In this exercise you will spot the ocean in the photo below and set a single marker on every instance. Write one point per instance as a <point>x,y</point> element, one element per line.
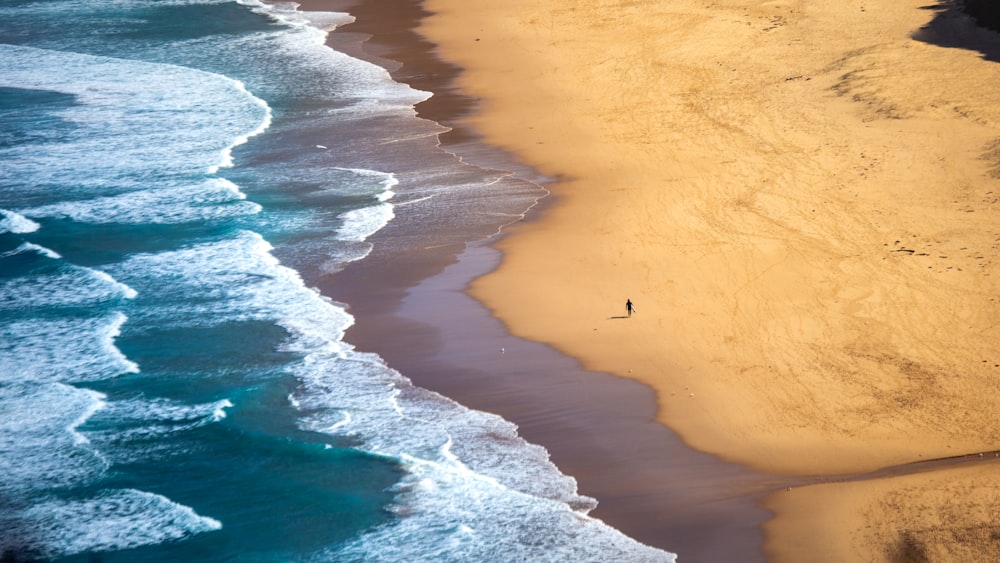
<point>177,178</point>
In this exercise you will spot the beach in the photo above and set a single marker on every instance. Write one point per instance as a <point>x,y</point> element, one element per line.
<point>802,203</point>
<point>425,280</point>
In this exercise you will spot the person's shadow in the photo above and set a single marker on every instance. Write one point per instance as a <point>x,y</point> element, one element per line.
<point>619,317</point>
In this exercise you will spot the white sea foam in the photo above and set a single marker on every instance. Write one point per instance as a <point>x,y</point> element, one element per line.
<point>214,198</point>
<point>32,247</point>
<point>108,521</point>
<point>341,423</point>
<point>220,410</point>
<point>359,224</point>
<point>343,255</point>
<point>40,439</point>
<point>136,118</point>
<point>126,291</point>
<point>44,449</point>
<point>516,505</point>
<point>64,350</point>
<point>394,418</point>
<point>67,286</point>
<point>11,222</point>
<point>358,183</point>
<point>491,523</point>
<point>128,420</point>
<point>163,411</point>
<point>287,13</point>
<point>96,405</point>
<point>235,280</point>
<point>369,87</point>
<point>227,154</point>
<point>386,180</point>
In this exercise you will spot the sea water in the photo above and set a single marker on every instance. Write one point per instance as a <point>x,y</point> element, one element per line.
<point>172,387</point>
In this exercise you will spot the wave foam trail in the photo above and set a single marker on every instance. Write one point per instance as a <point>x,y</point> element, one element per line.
<point>63,350</point>
<point>39,437</point>
<point>144,419</point>
<point>319,23</point>
<point>67,286</point>
<point>236,280</point>
<point>44,450</point>
<point>111,520</point>
<point>214,198</point>
<point>359,224</point>
<point>491,523</point>
<point>12,222</point>
<point>227,153</point>
<point>134,118</point>
<point>32,247</point>
<point>516,505</point>
<point>368,86</point>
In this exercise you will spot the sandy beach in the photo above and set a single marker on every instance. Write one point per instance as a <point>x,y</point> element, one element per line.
<point>803,203</point>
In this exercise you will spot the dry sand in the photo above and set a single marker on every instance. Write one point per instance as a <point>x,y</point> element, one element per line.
<point>802,200</point>
<point>943,515</point>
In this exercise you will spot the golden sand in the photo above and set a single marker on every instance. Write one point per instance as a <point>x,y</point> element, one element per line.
<point>944,515</point>
<point>801,198</point>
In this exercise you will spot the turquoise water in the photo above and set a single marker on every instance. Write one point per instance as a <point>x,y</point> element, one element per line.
<point>175,175</point>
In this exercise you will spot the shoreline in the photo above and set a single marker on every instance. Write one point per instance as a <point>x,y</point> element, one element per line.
<point>648,484</point>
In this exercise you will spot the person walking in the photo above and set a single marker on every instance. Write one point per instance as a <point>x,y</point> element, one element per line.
<point>629,307</point>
